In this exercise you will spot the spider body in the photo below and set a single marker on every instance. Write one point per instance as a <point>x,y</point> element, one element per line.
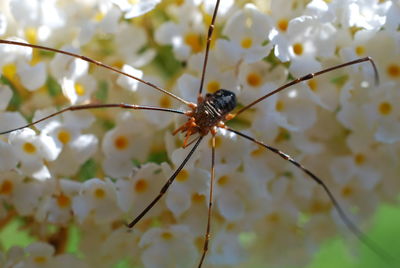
<point>210,112</point>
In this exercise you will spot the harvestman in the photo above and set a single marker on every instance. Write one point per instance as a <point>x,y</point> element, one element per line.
<point>207,115</point>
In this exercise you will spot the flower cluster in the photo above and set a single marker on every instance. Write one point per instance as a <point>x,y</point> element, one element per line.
<point>92,171</point>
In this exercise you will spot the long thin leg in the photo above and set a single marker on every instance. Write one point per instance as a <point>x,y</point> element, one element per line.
<point>209,35</point>
<point>352,227</point>
<point>16,43</point>
<point>166,185</point>
<point>310,76</point>
<point>96,106</point>
<point>210,203</point>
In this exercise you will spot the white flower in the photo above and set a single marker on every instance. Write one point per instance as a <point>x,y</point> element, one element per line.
<point>392,16</point>
<point>32,150</point>
<point>171,247</point>
<point>5,96</point>
<point>78,90</point>
<point>97,202</point>
<point>137,191</point>
<point>36,13</point>
<point>32,77</point>
<point>185,36</point>
<point>57,207</point>
<point>3,23</point>
<point>136,9</point>
<point>127,141</point>
<point>22,195</point>
<point>73,148</point>
<point>10,54</point>
<point>62,66</point>
<point>130,50</point>
<point>188,183</point>
<point>247,31</point>
<point>127,82</point>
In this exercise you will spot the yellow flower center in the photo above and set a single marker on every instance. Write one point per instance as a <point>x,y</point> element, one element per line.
<point>393,70</point>
<point>347,191</point>
<point>29,148</point>
<point>213,86</point>
<point>118,64</point>
<point>319,207</point>
<point>79,89</point>
<point>312,84</point>
<point>254,79</point>
<point>385,108</point>
<point>141,186</point>
<point>360,50</point>
<point>273,217</point>
<point>223,180</point>
<point>283,24</point>
<point>359,159</point>
<point>279,106</point>
<point>257,152</point>
<point>298,49</point>
<point>6,187</point>
<point>9,71</point>
<point>121,142</point>
<point>99,193</point>
<point>31,35</point>
<point>99,16</point>
<point>198,198</point>
<point>199,243</point>
<point>64,136</point>
<point>165,101</point>
<point>63,201</point>
<point>194,41</point>
<point>246,43</point>
<point>166,235</point>
<point>40,259</point>
<point>182,176</point>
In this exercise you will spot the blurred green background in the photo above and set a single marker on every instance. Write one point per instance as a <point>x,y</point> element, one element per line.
<point>385,231</point>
